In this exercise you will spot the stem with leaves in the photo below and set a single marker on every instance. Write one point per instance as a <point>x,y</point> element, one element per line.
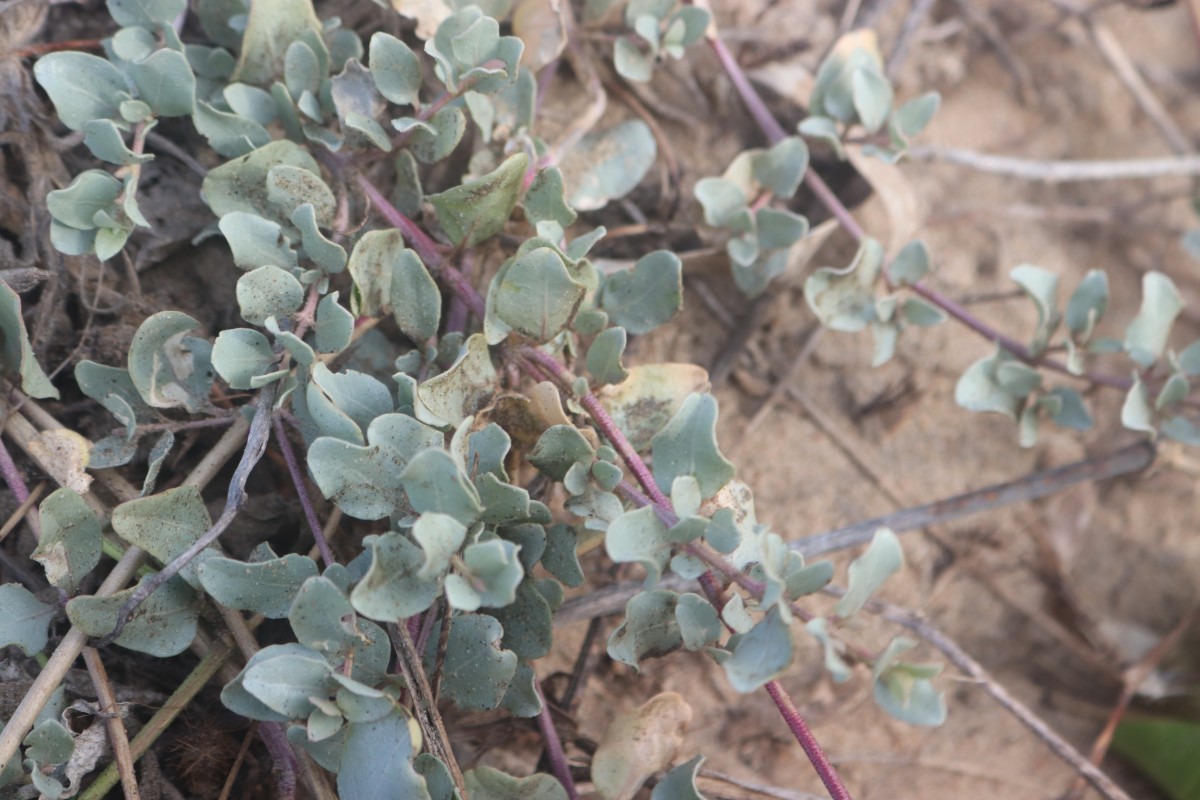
<point>774,132</point>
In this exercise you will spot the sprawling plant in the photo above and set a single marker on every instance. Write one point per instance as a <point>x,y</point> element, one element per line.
<point>508,433</point>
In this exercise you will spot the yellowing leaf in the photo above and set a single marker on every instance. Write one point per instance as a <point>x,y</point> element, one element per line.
<point>639,743</point>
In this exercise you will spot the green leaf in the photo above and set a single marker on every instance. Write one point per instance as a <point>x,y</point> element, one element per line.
<point>163,626</point>
<point>642,298</point>
<point>270,29</point>
<point>365,482</point>
<point>25,619</point>
<point>392,590</point>
<point>286,682</point>
<point>241,184</point>
<point>372,263</point>
<point>545,199</point>
<point>289,187</point>
<point>558,449</point>
<point>449,398</point>
<point>868,572</point>
<point>91,192</point>
<point>262,587</point>
<point>49,743</point>
<point>377,760</point>
<point>872,97</point>
<point>723,201</point>
<point>69,547</point>
<point>322,618</point>
<point>979,388</point>
<point>256,242</point>
<point>777,229</point>
<point>237,699</point>
<point>334,325</point>
<point>1136,412</point>
<point>608,164</point>
<point>440,536</point>
<point>165,525</point>
<point>1042,287</point>
<point>699,623</point>
<point>230,135</point>
<point>1164,749</point>
<point>437,777</point>
<point>651,629</point>
<point>82,87</point>
<point>490,575</point>
<point>680,782</point>
<point>103,138</point>
<point>560,558</point>
<point>448,125</point>
<point>435,483</point>
<point>395,69</point>
<point>359,396</point>
<point>1146,337</point>
<point>414,297</point>
<point>165,82</point>
<point>479,209</point>
<point>823,129</point>
<point>477,671</point>
<point>645,402</point>
<point>631,61</point>
<point>604,357</point>
<point>639,536</point>
<point>1189,359</point>
<point>486,783</point>
<point>240,354</point>
<point>1088,303</point>
<point>16,353</point>
<point>904,690</point>
<point>781,168</point>
<point>688,446</point>
<point>844,299</point>
<point>910,265</point>
<point>526,622</point>
<point>168,369</point>
<point>267,292</point>
<point>536,295</point>
<point>146,13</point>
<point>760,655</point>
<point>912,117</point>
<point>328,255</point>
<point>837,668</point>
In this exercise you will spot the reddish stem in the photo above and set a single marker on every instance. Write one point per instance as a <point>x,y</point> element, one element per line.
<point>12,475</point>
<point>804,735</point>
<point>774,132</point>
<point>554,748</point>
<point>426,247</point>
<point>310,514</point>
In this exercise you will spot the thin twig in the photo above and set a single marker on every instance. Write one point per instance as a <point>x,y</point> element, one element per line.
<point>1062,171</point>
<point>1133,679</point>
<point>116,728</point>
<point>428,717</point>
<point>236,767</point>
<point>961,659</point>
<point>235,498</point>
<point>554,748</point>
<point>310,514</point>
<point>421,242</point>
<point>612,599</point>
<point>15,518</point>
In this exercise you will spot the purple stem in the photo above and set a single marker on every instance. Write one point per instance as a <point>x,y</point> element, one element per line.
<point>282,756</point>
<point>426,247</point>
<point>712,588</point>
<point>429,250</point>
<point>456,315</point>
<point>310,513</point>
<point>774,132</point>
<point>554,749</point>
<point>804,735</point>
<point>12,475</point>
<point>606,425</point>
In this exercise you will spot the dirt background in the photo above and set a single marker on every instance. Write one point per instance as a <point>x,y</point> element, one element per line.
<point>1054,598</point>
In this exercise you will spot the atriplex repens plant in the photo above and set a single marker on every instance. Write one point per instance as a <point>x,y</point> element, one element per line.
<point>472,551</point>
